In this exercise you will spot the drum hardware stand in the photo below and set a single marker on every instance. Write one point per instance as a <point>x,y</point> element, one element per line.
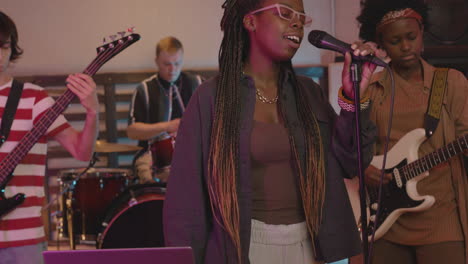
<point>83,226</point>
<point>69,215</point>
<point>59,224</point>
<point>133,200</point>
<point>99,236</point>
<point>68,201</point>
<point>84,230</point>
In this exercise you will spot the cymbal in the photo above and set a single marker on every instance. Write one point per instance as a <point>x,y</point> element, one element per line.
<point>103,146</point>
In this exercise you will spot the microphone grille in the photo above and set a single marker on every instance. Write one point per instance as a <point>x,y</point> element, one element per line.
<point>316,36</point>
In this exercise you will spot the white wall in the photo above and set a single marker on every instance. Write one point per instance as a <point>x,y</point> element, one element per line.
<point>346,25</point>
<point>60,36</point>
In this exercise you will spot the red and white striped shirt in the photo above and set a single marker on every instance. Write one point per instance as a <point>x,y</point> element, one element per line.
<point>23,226</point>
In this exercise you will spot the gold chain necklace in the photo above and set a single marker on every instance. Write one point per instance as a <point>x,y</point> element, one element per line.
<point>265,100</point>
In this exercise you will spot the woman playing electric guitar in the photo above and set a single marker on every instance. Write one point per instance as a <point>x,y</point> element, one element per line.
<point>439,233</point>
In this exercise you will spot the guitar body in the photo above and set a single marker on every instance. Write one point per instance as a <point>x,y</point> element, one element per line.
<point>8,204</point>
<point>401,195</point>
<point>399,198</point>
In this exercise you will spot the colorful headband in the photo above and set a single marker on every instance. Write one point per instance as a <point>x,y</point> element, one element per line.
<point>393,16</point>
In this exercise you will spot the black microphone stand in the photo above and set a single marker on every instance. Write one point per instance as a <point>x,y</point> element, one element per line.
<point>356,79</point>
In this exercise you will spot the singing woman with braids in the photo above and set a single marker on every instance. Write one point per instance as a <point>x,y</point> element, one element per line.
<point>258,168</point>
<point>438,234</point>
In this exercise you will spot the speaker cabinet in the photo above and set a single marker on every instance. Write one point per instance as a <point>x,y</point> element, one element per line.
<point>446,37</point>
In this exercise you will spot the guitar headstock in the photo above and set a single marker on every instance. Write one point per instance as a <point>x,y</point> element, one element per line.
<point>109,50</point>
<point>124,41</point>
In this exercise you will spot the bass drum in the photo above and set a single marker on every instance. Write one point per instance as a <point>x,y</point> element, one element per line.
<point>134,219</point>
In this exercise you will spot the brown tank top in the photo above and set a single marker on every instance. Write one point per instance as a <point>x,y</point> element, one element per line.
<point>276,195</point>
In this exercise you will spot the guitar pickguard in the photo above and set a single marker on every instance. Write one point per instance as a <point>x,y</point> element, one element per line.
<point>394,199</point>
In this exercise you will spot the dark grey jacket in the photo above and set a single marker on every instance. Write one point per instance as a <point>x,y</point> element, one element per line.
<point>187,216</point>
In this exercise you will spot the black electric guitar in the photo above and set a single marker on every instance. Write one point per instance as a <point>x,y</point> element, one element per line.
<point>400,195</point>
<point>9,163</point>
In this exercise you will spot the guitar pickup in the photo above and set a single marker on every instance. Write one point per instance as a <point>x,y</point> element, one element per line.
<point>397,177</point>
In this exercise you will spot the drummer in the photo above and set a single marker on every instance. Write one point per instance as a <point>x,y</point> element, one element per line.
<point>158,104</point>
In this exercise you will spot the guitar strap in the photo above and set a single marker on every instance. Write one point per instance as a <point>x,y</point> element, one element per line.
<point>10,110</point>
<point>436,98</point>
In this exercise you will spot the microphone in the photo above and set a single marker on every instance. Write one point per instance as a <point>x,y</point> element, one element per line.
<point>323,40</point>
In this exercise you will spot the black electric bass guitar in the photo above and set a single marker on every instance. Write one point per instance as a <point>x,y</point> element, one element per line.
<point>400,195</point>
<point>9,163</point>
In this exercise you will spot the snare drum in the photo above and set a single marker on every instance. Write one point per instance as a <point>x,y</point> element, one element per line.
<point>134,219</point>
<point>161,151</point>
<point>86,201</point>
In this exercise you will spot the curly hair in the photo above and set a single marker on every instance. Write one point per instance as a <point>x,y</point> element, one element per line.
<point>8,31</point>
<point>372,12</point>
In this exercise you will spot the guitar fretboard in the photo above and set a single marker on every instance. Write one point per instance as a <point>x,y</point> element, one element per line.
<point>27,142</point>
<point>433,159</point>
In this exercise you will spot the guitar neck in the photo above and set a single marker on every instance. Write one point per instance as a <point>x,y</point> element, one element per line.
<point>435,158</point>
<point>27,142</point>
<point>9,163</point>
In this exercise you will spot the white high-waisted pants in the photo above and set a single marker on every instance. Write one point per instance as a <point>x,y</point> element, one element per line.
<point>280,244</point>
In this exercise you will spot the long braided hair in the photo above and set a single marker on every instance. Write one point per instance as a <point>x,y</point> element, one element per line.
<point>312,172</point>
<point>224,157</point>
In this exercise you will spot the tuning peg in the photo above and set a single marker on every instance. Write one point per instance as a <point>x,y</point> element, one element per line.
<point>121,33</point>
<point>113,37</point>
<point>131,29</point>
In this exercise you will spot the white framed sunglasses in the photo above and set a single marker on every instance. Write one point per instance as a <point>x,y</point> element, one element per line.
<point>287,13</point>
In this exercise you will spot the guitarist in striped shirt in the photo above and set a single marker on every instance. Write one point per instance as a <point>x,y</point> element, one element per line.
<point>22,237</point>
<point>439,233</point>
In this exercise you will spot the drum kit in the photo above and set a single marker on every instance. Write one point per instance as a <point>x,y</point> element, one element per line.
<point>103,206</point>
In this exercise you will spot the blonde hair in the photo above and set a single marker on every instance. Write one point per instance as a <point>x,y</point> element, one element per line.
<point>168,44</point>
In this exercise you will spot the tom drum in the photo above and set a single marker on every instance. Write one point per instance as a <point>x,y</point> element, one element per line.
<point>86,201</point>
